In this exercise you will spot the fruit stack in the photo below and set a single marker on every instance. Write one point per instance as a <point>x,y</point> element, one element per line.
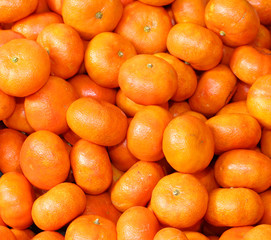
<point>135,119</point>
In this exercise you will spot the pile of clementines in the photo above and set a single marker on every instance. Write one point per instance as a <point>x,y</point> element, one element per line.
<point>135,120</point>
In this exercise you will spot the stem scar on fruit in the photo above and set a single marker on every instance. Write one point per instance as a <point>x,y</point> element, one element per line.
<point>47,50</point>
<point>96,221</point>
<point>222,33</point>
<point>176,192</point>
<point>15,59</point>
<point>99,15</point>
<point>120,53</point>
<point>149,65</point>
<point>147,29</point>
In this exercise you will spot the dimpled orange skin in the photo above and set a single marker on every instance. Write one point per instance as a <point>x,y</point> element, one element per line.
<point>17,120</point>
<point>121,157</point>
<point>58,206</point>
<point>170,233</point>
<point>31,26</point>
<point>11,142</point>
<point>187,78</point>
<point>129,107</point>
<point>196,114</point>
<point>237,19</point>
<point>215,89</point>
<point>145,133</point>
<point>91,167</point>
<point>25,234</point>
<point>23,71</point>
<point>259,101</point>
<point>145,26</point>
<point>45,235</point>
<point>263,39</point>
<point>135,186</point>
<point>233,131</point>
<point>65,49</point>
<point>263,8</point>
<point>6,233</point>
<point>91,227</point>
<point>189,11</point>
<point>178,108</point>
<point>44,159</point>
<point>266,198</point>
<point>234,207</point>
<point>7,105</point>
<point>196,45</point>
<point>97,121</point>
<point>103,63</point>
<point>16,200</point>
<point>235,233</point>
<point>179,200</point>
<point>191,235</point>
<point>249,63</point>
<point>147,79</point>
<point>259,232</point>
<point>243,168</point>
<point>188,144</point>
<point>101,15</point>
<point>7,35</point>
<point>234,107</point>
<point>265,142</point>
<point>45,110</point>
<point>12,11</point>
<point>86,87</point>
<point>137,223</point>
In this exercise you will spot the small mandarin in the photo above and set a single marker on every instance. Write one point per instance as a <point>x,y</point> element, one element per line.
<point>91,227</point>
<point>188,144</point>
<point>169,233</point>
<point>134,188</point>
<point>184,39</point>
<point>101,15</point>
<point>57,207</point>
<point>97,121</point>
<point>235,233</point>
<point>132,224</point>
<point>16,200</point>
<point>103,64</point>
<point>147,79</point>
<point>23,72</point>
<point>91,167</point>
<point>221,16</point>
<point>261,231</point>
<point>147,32</point>
<point>48,235</point>
<point>145,133</point>
<point>234,207</point>
<point>179,200</point>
